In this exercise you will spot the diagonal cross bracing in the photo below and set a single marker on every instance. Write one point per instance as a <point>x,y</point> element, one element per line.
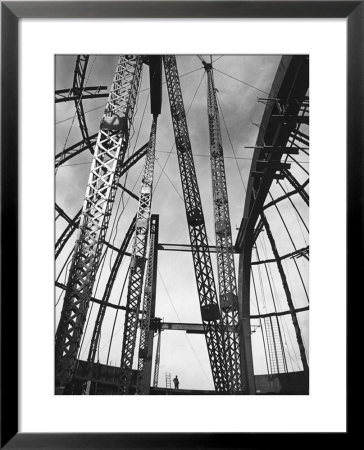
<point>137,265</point>
<point>74,150</point>
<point>157,359</point>
<point>142,378</point>
<point>109,153</point>
<point>224,246</point>
<point>109,285</point>
<point>78,84</point>
<point>209,306</point>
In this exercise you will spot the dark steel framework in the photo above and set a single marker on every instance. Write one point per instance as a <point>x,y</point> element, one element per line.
<point>210,311</point>
<point>279,137</point>
<point>112,143</point>
<point>224,246</point>
<point>226,348</point>
<point>148,313</point>
<point>137,266</point>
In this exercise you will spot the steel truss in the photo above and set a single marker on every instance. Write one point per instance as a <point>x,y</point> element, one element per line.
<point>146,333</point>
<point>74,223</point>
<point>66,95</point>
<point>110,150</point>
<point>137,266</point>
<point>78,85</point>
<point>105,299</point>
<point>209,306</point>
<point>157,359</point>
<point>224,246</point>
<point>288,294</point>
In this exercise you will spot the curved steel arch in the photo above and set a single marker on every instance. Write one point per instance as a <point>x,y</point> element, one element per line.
<point>285,107</point>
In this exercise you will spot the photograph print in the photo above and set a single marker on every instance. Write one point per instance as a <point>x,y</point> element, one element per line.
<point>181,225</point>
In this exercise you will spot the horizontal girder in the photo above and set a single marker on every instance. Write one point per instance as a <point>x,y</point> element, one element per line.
<point>66,95</point>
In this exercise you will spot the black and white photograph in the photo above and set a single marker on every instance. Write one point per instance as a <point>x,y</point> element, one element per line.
<point>181,224</point>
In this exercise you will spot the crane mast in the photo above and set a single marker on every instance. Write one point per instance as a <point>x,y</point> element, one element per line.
<point>224,246</point>
<point>210,311</point>
<point>110,149</point>
<point>137,265</point>
<point>143,380</point>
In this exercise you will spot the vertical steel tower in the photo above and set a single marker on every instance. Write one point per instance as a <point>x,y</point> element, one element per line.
<point>110,149</point>
<point>209,306</point>
<point>157,359</point>
<point>224,246</point>
<point>148,310</point>
<point>137,265</point>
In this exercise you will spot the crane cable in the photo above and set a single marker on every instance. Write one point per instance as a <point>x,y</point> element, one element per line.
<point>74,116</point>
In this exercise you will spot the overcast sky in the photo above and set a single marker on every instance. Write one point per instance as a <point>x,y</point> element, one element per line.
<point>177,299</point>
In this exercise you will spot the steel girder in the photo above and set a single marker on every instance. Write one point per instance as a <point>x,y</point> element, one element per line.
<point>78,148</point>
<point>67,233</point>
<point>286,99</point>
<point>296,254</point>
<point>297,186</point>
<point>134,158</point>
<point>157,359</point>
<point>209,306</point>
<point>276,354</point>
<point>105,298</point>
<point>288,294</point>
<point>289,87</point>
<point>75,150</point>
<point>109,153</point>
<point>137,266</point>
<point>224,246</point>
<point>78,84</point>
<point>297,190</point>
<point>146,334</point>
<point>74,223</point>
<point>88,92</point>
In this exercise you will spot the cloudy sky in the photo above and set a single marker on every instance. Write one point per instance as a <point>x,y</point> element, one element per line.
<point>240,81</point>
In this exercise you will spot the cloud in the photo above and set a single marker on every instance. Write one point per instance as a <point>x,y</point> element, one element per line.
<point>177,298</point>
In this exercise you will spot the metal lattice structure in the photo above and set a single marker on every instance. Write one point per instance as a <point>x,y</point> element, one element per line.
<point>224,246</point>
<point>276,354</point>
<point>146,334</point>
<point>226,318</point>
<point>210,310</point>
<point>279,138</point>
<point>109,285</point>
<point>137,265</point>
<point>288,294</point>
<point>109,154</point>
<point>157,360</point>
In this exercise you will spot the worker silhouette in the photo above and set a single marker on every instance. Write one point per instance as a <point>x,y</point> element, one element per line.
<point>176,382</point>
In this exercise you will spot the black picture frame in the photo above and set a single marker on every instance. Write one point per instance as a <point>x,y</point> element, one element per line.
<point>11,12</point>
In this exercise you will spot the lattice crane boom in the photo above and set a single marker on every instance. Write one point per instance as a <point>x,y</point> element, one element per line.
<point>137,265</point>
<point>147,309</point>
<point>110,149</point>
<point>224,246</point>
<point>209,306</point>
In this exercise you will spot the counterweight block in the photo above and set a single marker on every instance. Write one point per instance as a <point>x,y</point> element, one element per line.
<point>229,300</point>
<point>210,313</point>
<point>195,217</point>
<point>114,123</point>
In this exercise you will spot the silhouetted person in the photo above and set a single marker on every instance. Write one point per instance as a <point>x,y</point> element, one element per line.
<point>176,382</point>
